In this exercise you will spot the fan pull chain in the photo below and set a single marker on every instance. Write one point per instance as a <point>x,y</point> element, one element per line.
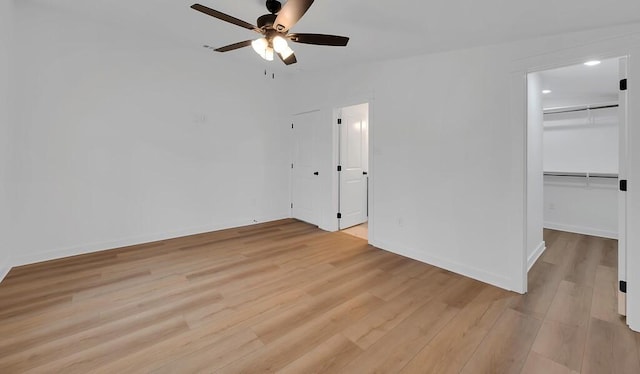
<point>273,75</point>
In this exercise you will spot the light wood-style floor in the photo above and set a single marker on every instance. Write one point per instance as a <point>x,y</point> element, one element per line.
<point>290,298</point>
<point>360,231</point>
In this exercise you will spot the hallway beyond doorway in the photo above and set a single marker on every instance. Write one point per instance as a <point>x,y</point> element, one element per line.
<point>361,231</point>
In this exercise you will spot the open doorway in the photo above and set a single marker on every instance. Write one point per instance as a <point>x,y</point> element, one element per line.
<point>576,165</point>
<point>353,169</point>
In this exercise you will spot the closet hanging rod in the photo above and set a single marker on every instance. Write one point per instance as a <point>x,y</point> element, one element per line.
<point>578,109</point>
<point>580,175</point>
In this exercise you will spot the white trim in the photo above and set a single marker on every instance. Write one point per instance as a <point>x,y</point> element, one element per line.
<point>613,47</point>
<point>536,255</point>
<point>581,230</point>
<point>464,270</point>
<point>125,242</point>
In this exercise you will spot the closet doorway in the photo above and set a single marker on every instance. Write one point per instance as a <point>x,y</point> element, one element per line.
<point>576,163</point>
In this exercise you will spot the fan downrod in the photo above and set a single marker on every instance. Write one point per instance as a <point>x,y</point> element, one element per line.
<point>274,6</point>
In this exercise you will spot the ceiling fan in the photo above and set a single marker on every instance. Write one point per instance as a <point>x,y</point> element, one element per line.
<point>274,28</point>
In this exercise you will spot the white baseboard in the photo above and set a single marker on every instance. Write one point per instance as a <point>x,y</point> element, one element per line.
<point>531,260</point>
<point>581,230</point>
<point>141,239</point>
<point>467,271</point>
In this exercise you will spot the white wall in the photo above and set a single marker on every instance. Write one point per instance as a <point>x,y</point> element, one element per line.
<point>535,242</point>
<point>440,168</point>
<point>6,21</point>
<point>447,168</point>
<point>585,142</point>
<point>123,139</point>
<point>575,205</point>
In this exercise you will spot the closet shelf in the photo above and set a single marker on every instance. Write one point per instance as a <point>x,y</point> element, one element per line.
<point>580,174</point>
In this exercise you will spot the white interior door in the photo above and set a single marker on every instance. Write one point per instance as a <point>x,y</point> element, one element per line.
<point>304,205</point>
<point>622,195</point>
<point>354,165</point>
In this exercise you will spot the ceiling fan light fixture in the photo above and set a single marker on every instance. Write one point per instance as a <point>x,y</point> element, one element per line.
<point>280,44</point>
<point>268,54</point>
<point>286,53</point>
<point>274,28</point>
<point>261,46</point>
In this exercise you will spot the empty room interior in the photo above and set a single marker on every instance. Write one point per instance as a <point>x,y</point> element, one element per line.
<point>319,186</point>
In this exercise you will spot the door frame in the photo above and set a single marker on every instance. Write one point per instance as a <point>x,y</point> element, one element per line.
<point>336,112</point>
<point>339,146</point>
<point>622,161</point>
<point>600,50</point>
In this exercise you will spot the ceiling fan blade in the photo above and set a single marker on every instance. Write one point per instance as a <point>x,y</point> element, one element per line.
<point>231,47</point>
<point>224,17</point>
<point>320,39</point>
<point>289,60</point>
<point>291,13</point>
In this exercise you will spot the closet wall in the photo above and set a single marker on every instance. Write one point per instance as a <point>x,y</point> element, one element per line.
<point>577,144</point>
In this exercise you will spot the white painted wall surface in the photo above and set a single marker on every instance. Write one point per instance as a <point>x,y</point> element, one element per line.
<point>535,241</point>
<point>447,166</point>
<point>6,27</point>
<point>582,142</point>
<point>575,205</point>
<point>124,139</point>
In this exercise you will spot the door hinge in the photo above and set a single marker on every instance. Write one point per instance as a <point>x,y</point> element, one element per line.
<point>339,121</point>
<point>623,84</point>
<point>291,165</point>
<point>292,125</point>
<point>623,286</point>
<point>339,167</point>
<point>339,215</point>
<point>291,205</point>
<point>623,185</point>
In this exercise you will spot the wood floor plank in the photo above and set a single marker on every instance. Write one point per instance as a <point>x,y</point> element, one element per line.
<point>506,347</point>
<point>561,343</point>
<point>537,364</point>
<point>544,279</point>
<point>391,353</point>
<point>90,359</point>
<point>371,328</point>
<point>610,349</point>
<point>286,296</point>
<point>194,358</point>
<point>583,260</point>
<point>452,347</point>
<point>42,352</point>
<point>605,296</point>
<point>571,304</point>
<point>329,357</point>
<point>288,348</point>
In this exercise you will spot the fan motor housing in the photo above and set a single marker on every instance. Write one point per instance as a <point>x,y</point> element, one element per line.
<point>266,21</point>
<point>273,6</point>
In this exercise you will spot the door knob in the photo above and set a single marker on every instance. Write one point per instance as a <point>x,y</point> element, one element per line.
<point>316,173</point>
<point>364,173</point>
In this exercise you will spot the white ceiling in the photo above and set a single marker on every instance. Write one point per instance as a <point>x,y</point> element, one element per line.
<point>378,29</point>
<point>581,85</point>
